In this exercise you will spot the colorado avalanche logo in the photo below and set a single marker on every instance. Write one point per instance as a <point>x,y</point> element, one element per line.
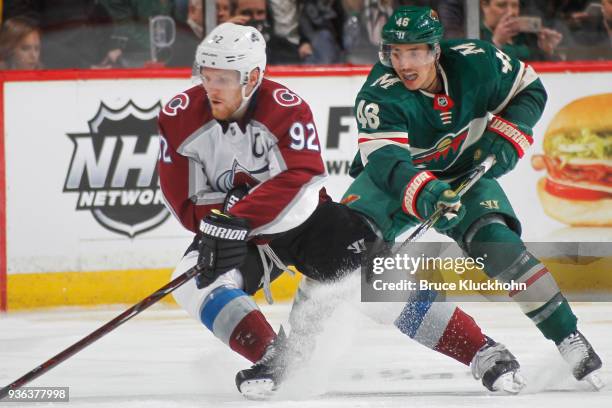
<point>285,97</point>
<point>180,101</point>
<point>237,176</point>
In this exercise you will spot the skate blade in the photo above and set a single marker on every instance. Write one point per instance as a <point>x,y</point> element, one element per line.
<point>595,380</point>
<point>509,383</point>
<point>258,390</point>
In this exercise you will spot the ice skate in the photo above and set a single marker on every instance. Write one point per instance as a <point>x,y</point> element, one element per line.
<point>497,368</point>
<point>261,380</point>
<point>583,360</point>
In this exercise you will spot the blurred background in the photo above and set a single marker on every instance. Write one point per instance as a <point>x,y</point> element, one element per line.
<point>99,34</point>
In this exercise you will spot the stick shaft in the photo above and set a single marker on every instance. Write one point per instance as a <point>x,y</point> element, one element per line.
<point>100,332</point>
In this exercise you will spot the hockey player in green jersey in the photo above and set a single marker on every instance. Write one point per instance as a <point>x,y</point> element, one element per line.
<point>431,110</point>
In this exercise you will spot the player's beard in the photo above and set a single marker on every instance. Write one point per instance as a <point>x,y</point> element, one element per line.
<point>223,110</point>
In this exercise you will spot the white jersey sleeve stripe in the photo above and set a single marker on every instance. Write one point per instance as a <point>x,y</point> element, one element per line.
<point>513,90</point>
<point>529,76</point>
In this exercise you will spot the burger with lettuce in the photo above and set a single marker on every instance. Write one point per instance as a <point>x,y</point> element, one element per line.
<point>578,158</point>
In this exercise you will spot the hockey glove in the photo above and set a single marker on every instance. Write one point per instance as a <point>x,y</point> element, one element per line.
<point>233,196</point>
<point>505,154</point>
<point>222,247</point>
<point>506,141</point>
<point>436,194</point>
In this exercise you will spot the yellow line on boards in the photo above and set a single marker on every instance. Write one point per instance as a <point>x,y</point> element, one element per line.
<point>40,290</point>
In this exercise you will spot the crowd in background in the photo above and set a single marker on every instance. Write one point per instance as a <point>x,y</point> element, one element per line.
<point>102,34</point>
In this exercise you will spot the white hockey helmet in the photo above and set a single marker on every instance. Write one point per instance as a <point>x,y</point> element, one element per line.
<point>232,46</point>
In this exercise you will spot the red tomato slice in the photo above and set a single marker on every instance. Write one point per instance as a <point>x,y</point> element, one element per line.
<point>574,193</point>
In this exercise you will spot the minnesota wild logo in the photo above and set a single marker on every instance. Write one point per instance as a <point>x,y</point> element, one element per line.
<point>443,152</point>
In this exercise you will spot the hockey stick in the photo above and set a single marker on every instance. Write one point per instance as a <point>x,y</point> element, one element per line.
<point>465,185</point>
<point>100,332</point>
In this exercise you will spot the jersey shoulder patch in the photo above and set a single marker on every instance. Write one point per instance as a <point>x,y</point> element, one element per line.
<point>277,107</point>
<point>283,97</point>
<point>182,101</point>
<point>476,59</point>
<point>382,79</point>
<point>183,114</point>
<point>384,87</point>
<point>179,102</point>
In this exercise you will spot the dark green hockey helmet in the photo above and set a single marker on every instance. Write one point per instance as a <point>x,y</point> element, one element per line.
<point>410,25</point>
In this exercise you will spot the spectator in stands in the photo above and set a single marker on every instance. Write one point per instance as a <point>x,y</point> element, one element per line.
<point>254,13</point>
<point>321,23</point>
<point>223,10</point>
<point>452,16</point>
<point>284,15</point>
<point>361,33</point>
<point>129,41</point>
<point>188,35</point>
<point>73,30</point>
<point>500,26</point>
<point>195,19</point>
<point>180,10</point>
<point>20,44</point>
<point>593,35</point>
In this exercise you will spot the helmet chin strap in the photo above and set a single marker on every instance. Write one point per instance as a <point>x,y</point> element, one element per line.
<point>245,101</point>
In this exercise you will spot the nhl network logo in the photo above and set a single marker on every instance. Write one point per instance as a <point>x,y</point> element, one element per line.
<point>114,169</point>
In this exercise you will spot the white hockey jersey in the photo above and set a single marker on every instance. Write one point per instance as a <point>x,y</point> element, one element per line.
<point>274,150</point>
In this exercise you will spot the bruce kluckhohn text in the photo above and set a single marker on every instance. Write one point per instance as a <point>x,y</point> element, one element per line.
<point>462,285</point>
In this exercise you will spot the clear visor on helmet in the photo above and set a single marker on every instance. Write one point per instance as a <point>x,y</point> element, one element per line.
<point>220,79</point>
<point>413,55</point>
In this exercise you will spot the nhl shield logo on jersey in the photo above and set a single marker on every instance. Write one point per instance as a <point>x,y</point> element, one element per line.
<point>114,169</point>
<point>442,101</point>
<point>444,104</point>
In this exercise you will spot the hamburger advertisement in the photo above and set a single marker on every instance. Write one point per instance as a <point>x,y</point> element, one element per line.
<point>577,163</point>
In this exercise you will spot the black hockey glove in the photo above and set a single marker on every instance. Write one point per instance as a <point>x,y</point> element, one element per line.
<point>233,196</point>
<point>222,247</point>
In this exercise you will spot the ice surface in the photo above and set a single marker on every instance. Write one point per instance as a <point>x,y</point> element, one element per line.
<point>162,358</point>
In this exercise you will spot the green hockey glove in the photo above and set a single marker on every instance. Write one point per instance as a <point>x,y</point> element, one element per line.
<point>506,142</point>
<point>425,194</point>
<point>505,154</point>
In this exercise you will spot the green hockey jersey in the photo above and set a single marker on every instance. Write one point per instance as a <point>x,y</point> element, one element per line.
<point>407,136</point>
